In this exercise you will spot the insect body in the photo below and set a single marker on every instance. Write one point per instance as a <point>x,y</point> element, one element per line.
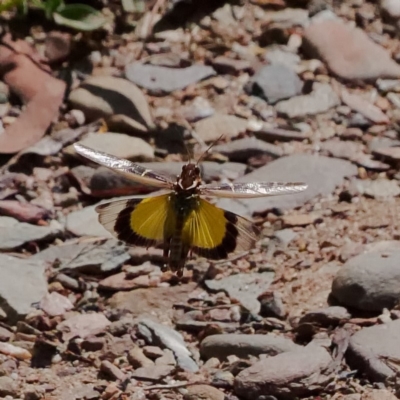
<point>181,220</point>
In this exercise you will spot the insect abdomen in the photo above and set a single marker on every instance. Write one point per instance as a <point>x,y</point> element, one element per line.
<point>178,252</point>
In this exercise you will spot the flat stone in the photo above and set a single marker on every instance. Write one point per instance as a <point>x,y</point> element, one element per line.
<point>321,99</point>
<point>379,394</point>
<point>326,316</point>
<point>187,323</point>
<point>159,79</point>
<point>289,16</point>
<point>83,325</point>
<point>119,101</point>
<point>169,338</point>
<point>54,304</point>
<point>199,108</point>
<point>272,305</point>
<point>369,281</point>
<point>387,85</point>
<point>112,371</point>
<point>367,161</point>
<point>283,135</point>
<point>22,285</point>
<point>285,236</point>
<point>243,346</point>
<point>57,46</point>
<point>92,258</point>
<point>299,220</point>
<point>388,153</point>
<point>278,56</point>
<point>275,83</point>
<point>391,8</point>
<point>152,352</point>
<point>286,374</point>
<point>153,373</point>
<point>322,174</point>
<point>377,188</point>
<point>342,149</point>
<point>230,126</point>
<point>85,222</point>
<point>244,288</point>
<point>152,302</point>
<point>361,58</point>
<point>372,349</point>
<point>364,107</point>
<point>5,335</point>
<point>119,145</point>
<point>242,149</point>
<point>8,387</point>
<point>120,281</point>
<point>137,358</point>
<point>203,392</point>
<point>14,234</point>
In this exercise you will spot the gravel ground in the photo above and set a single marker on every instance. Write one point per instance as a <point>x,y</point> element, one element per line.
<point>301,91</point>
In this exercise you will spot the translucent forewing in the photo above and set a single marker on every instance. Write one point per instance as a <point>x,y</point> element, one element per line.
<point>249,190</point>
<point>124,167</point>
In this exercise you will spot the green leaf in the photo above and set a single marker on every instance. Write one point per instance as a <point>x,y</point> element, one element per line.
<point>23,7</point>
<point>51,6</point>
<point>79,16</point>
<point>9,4</point>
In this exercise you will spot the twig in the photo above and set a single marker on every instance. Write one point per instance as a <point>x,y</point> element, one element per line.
<point>174,386</point>
<point>153,12</point>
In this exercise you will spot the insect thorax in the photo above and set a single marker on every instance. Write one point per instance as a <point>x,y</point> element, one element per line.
<point>184,202</point>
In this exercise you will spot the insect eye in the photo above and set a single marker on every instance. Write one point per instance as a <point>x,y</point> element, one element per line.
<point>197,170</point>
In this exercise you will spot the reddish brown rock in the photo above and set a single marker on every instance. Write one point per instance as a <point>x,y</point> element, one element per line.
<point>360,58</point>
<point>83,325</point>
<point>283,374</point>
<point>42,94</point>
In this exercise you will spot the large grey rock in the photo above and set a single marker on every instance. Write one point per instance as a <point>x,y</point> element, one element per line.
<point>243,346</point>
<point>321,99</point>
<point>275,83</point>
<point>167,337</point>
<point>159,79</point>
<point>372,349</point>
<point>14,234</point>
<point>244,288</point>
<point>291,374</point>
<point>369,281</point>
<point>86,257</point>
<point>23,283</point>
<point>322,174</point>
<point>85,222</point>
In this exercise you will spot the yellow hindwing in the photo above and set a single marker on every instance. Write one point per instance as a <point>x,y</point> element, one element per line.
<point>141,222</point>
<point>215,233</point>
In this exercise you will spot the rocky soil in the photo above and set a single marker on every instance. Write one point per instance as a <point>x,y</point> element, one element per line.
<point>301,91</point>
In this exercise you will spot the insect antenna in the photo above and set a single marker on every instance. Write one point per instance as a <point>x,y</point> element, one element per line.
<point>209,148</point>
<point>188,152</point>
